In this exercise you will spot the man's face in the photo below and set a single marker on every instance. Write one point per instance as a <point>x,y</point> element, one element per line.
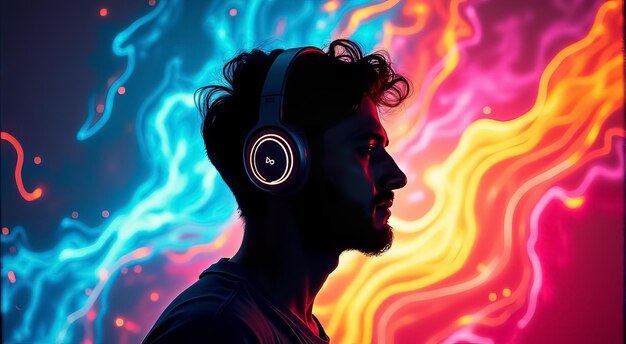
<point>352,186</point>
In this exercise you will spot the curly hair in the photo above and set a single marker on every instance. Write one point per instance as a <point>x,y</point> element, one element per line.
<point>322,89</point>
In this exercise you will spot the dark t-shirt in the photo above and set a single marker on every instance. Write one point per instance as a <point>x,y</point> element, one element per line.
<point>227,305</point>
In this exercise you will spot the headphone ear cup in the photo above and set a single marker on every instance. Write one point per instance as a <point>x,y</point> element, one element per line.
<point>276,160</point>
<point>276,156</point>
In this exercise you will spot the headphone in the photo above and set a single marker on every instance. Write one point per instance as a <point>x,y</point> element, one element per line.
<point>276,156</point>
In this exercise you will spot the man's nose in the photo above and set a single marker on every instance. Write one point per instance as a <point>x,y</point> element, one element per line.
<point>393,177</point>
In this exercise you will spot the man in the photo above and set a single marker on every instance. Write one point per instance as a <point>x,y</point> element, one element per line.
<point>292,239</point>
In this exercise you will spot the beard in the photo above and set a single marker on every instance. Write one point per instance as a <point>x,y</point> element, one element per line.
<point>329,222</point>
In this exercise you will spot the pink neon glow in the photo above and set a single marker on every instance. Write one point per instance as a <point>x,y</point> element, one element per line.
<point>595,172</point>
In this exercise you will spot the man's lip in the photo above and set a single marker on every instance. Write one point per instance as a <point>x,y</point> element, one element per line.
<point>385,204</point>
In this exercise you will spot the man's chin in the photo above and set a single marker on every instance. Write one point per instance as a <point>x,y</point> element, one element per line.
<point>377,242</point>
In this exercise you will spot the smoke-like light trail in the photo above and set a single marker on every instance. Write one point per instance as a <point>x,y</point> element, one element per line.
<point>512,111</point>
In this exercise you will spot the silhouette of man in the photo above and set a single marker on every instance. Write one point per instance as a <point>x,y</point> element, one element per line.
<point>292,240</point>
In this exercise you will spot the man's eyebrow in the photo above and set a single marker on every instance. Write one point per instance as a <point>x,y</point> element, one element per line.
<point>371,135</point>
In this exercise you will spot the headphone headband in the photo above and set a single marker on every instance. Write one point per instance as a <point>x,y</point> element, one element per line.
<point>275,83</point>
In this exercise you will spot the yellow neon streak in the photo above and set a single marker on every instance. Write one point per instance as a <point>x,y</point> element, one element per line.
<point>419,11</point>
<point>331,6</point>
<point>362,14</point>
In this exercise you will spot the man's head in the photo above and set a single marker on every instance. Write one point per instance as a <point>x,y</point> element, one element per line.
<point>333,99</point>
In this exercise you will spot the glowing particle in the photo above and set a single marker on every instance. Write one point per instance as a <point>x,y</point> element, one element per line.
<point>100,108</point>
<point>103,274</point>
<point>91,315</point>
<point>29,196</point>
<point>5,230</point>
<point>464,320</point>
<point>280,27</point>
<point>331,6</point>
<point>493,297</point>
<point>420,8</point>
<point>11,276</point>
<point>487,110</point>
<point>506,292</point>
<point>481,267</point>
<point>154,296</point>
<point>103,12</point>
<point>88,291</point>
<point>74,214</point>
<point>119,322</point>
<point>87,341</point>
<point>121,90</point>
<point>137,268</point>
<point>37,160</point>
<point>12,249</point>
<point>124,270</point>
<point>151,2</point>
<point>105,213</point>
<point>232,12</point>
<point>575,202</point>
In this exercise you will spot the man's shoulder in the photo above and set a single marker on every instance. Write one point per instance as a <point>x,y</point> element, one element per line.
<point>207,296</point>
<point>207,309</point>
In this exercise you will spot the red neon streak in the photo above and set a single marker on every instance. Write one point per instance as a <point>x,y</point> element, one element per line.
<point>91,315</point>
<point>29,196</point>
<point>11,276</point>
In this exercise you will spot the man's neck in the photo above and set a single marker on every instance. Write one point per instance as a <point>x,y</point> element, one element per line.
<point>290,273</point>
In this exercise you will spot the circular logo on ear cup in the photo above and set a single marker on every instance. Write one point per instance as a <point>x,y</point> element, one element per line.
<point>271,159</point>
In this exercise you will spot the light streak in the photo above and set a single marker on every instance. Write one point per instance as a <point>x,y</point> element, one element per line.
<point>363,14</point>
<point>121,47</point>
<point>331,6</point>
<point>29,196</point>
<point>564,195</point>
<point>494,131</point>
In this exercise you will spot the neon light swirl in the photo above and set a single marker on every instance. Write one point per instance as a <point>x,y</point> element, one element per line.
<point>517,111</point>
